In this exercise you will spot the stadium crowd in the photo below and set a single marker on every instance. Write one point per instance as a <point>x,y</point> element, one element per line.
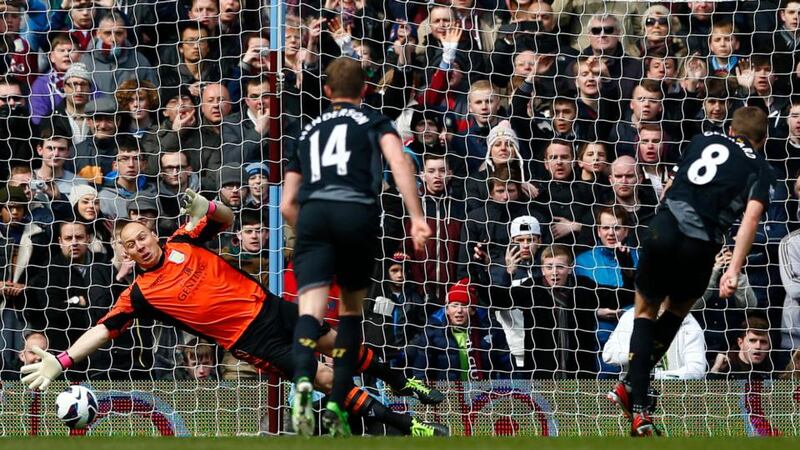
<point>544,134</point>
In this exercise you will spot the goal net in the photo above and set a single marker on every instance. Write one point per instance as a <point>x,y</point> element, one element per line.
<point>543,133</point>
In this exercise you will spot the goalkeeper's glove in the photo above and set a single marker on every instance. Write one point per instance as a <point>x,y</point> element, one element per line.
<point>196,207</point>
<point>41,374</point>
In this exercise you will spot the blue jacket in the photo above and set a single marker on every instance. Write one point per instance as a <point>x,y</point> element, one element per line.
<point>434,355</point>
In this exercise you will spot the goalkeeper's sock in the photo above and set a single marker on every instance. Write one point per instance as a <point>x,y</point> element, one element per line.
<point>306,334</point>
<point>639,355</point>
<point>368,363</point>
<point>666,328</point>
<point>361,404</point>
<point>345,356</point>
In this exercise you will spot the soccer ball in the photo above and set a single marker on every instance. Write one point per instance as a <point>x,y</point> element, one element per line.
<point>76,407</point>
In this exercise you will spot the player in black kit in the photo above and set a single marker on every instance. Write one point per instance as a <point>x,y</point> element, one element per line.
<point>719,177</point>
<point>331,198</point>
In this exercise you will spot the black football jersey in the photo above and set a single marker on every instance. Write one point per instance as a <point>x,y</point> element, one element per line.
<point>713,183</point>
<point>339,155</point>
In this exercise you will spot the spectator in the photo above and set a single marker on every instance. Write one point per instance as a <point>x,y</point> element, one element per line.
<point>611,265</point>
<point>789,253</point>
<point>605,32</point>
<point>139,99</point>
<point>645,107</point>
<point>54,151</point>
<point>200,359</point>
<point>258,186</point>
<point>638,198</point>
<point>254,63</point>
<point>19,60</point>
<point>557,321</point>
<point>596,112</point>
<point>175,176</point>
<point>784,154</point>
<point>202,144</point>
<point>13,206</point>
<point>47,91</point>
<point>684,360</point>
<point>716,314</point>
<point>16,128</point>
<point>503,146</point>
<point>194,66</point>
<point>715,113</point>
<point>434,267</point>
<point>94,157</point>
<point>80,15</point>
<point>25,354</point>
<point>58,296</point>
<point>232,189</point>
<point>570,208</point>
<point>723,43</point>
<point>659,34</point>
<point>246,134</point>
<point>470,142</point>
<point>651,155</point>
<point>70,114</point>
<point>113,59</point>
<point>397,315</point>
<point>144,210</point>
<point>250,251</point>
<point>752,358</point>
<point>86,209</point>
<point>593,165</point>
<point>458,344</point>
<point>126,181</point>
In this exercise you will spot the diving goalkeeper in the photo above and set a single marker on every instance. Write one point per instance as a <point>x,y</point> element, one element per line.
<point>184,284</point>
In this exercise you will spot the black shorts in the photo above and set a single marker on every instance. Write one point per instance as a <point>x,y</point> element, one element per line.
<point>672,264</point>
<point>336,239</point>
<point>267,342</point>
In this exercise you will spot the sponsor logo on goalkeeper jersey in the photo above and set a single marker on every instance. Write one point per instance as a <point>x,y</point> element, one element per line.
<point>195,277</point>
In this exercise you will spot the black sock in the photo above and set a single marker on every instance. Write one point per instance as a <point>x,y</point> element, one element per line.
<point>306,334</point>
<point>666,328</point>
<point>368,363</point>
<point>639,355</point>
<point>359,403</point>
<point>345,356</point>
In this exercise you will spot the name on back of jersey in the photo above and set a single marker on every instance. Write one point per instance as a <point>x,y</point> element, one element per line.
<point>358,116</point>
<point>749,152</point>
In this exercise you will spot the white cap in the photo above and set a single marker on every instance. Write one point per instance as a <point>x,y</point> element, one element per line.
<point>524,225</point>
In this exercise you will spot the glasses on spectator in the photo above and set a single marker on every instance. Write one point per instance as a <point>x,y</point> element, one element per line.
<point>232,187</point>
<point>608,29</point>
<point>656,20</point>
<point>8,98</point>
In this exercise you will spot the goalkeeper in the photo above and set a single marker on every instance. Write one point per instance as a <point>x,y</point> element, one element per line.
<point>184,284</point>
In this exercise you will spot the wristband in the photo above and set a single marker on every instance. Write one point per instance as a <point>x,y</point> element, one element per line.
<point>65,360</point>
<point>212,206</point>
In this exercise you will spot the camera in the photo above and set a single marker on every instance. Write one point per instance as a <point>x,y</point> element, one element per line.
<point>38,185</point>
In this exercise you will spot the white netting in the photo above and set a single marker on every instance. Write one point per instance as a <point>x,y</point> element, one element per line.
<point>589,104</point>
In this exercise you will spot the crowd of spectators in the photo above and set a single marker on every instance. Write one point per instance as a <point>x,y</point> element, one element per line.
<point>544,133</point>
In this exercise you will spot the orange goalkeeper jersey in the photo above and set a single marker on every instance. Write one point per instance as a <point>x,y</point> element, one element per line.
<point>193,289</point>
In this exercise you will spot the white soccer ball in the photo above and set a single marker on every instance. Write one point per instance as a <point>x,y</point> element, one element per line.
<point>76,407</point>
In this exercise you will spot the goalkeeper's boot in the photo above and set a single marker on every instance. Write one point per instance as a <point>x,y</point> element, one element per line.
<point>302,410</point>
<point>416,388</point>
<point>622,398</point>
<point>334,419</point>
<point>428,429</point>
<point>642,426</point>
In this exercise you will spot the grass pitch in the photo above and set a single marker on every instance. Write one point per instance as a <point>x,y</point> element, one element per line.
<point>453,443</point>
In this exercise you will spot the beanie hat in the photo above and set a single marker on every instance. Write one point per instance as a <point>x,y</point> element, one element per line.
<point>78,70</point>
<point>502,130</point>
<point>462,292</point>
<point>78,191</point>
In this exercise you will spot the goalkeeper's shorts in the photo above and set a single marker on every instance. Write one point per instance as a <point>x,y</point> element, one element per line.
<point>672,264</point>
<point>267,341</point>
